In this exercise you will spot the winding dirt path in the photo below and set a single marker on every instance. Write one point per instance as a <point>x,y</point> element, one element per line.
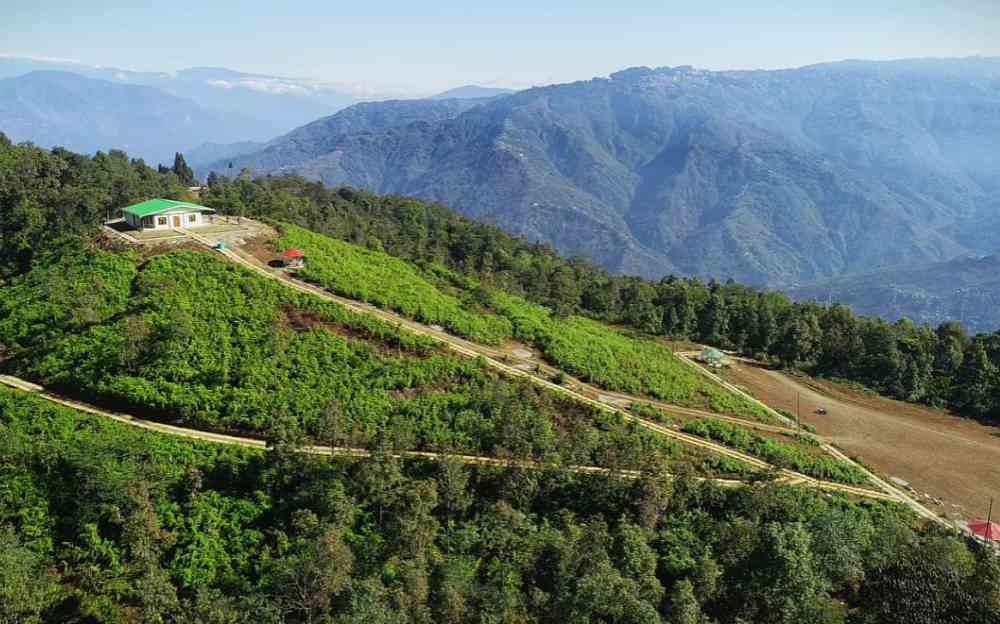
<point>489,356</point>
<point>256,443</point>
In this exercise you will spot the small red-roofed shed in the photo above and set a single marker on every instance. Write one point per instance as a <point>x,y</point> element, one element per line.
<point>293,257</point>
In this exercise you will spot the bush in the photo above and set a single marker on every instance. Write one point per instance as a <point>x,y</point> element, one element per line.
<point>781,454</point>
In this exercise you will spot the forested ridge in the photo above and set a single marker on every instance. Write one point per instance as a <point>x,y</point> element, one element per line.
<point>46,195</point>
<point>771,177</point>
<point>103,523</point>
<point>940,366</point>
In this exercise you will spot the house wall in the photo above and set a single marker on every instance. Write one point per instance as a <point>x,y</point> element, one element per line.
<point>165,221</point>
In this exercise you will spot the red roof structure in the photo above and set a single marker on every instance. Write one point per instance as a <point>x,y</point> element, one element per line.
<point>989,530</point>
<point>293,253</point>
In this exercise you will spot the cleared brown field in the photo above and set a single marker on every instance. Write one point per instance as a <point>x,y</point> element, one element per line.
<point>950,458</point>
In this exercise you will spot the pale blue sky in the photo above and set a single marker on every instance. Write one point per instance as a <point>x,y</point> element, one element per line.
<point>430,45</point>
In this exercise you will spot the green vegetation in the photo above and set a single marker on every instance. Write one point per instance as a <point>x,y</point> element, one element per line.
<point>776,452</point>
<point>583,347</point>
<point>940,366</point>
<point>103,523</point>
<point>608,358</point>
<point>390,283</point>
<point>188,337</point>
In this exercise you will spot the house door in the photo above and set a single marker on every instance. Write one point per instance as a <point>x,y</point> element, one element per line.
<point>177,221</point>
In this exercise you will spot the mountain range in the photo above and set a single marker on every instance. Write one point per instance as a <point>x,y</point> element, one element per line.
<point>86,114</point>
<point>471,91</point>
<point>209,113</point>
<point>271,105</point>
<point>775,178</point>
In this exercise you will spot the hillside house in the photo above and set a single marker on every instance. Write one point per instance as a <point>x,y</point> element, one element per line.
<point>712,358</point>
<point>165,214</point>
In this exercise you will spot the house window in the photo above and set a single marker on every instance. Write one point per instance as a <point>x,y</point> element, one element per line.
<point>147,222</point>
<point>192,218</point>
<point>161,220</point>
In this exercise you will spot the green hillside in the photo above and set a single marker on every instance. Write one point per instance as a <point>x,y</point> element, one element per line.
<point>391,283</point>
<point>104,523</point>
<point>189,338</point>
<point>583,347</point>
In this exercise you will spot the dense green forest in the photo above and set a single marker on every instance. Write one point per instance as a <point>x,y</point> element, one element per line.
<point>100,522</point>
<point>940,366</point>
<point>103,523</point>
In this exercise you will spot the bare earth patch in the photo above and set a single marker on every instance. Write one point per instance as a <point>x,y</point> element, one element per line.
<point>947,457</point>
<point>296,319</point>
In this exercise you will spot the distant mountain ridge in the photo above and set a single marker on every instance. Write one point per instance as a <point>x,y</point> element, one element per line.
<point>770,177</point>
<point>84,114</point>
<point>472,91</point>
<point>321,137</point>
<point>966,289</point>
<point>273,104</point>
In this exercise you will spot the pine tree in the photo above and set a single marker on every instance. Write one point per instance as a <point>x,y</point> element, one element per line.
<point>182,171</point>
<point>684,607</point>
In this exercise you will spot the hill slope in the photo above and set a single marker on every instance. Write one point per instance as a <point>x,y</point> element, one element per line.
<point>770,177</point>
<point>964,289</point>
<point>102,522</point>
<point>323,137</point>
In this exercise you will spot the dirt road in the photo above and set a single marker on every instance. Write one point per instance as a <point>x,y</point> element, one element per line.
<point>949,458</point>
<point>221,438</point>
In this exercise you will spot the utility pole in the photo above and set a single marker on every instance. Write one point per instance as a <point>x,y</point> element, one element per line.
<point>989,523</point>
<point>798,411</point>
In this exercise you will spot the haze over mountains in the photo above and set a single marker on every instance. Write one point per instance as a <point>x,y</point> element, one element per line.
<point>472,91</point>
<point>274,104</point>
<point>85,114</point>
<point>770,177</point>
<point>966,289</point>
<point>208,113</point>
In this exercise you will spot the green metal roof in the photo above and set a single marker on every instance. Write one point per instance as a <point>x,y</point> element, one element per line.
<point>157,205</point>
<point>711,354</point>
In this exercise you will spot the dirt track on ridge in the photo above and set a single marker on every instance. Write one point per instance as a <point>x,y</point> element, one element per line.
<point>950,458</point>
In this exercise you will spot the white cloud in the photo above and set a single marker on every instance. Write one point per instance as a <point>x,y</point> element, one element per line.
<point>46,59</point>
<point>264,85</point>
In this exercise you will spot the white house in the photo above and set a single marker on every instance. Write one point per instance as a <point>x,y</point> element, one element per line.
<point>165,214</point>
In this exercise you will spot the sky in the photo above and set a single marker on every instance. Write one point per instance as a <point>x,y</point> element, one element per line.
<point>423,47</point>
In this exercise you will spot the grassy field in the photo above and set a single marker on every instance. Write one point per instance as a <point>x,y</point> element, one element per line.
<point>801,455</point>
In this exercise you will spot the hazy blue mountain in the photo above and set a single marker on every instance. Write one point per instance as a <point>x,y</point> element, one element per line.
<point>272,104</point>
<point>965,289</point>
<point>472,91</point>
<point>83,114</point>
<point>207,153</point>
<point>321,137</point>
<point>771,177</point>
